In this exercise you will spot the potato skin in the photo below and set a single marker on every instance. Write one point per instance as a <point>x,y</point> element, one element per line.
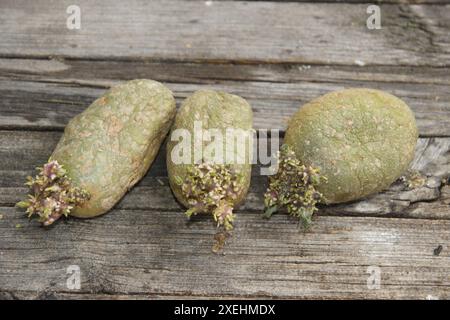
<point>110,146</point>
<point>362,140</point>
<point>218,110</point>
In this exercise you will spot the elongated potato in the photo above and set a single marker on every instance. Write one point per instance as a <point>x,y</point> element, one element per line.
<point>206,182</point>
<point>104,151</point>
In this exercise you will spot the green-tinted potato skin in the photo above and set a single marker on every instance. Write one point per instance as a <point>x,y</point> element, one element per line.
<point>217,110</point>
<point>111,145</point>
<point>361,139</point>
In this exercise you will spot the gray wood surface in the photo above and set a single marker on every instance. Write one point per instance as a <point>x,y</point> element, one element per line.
<point>136,252</point>
<point>277,55</point>
<point>314,33</point>
<point>61,89</point>
<point>22,151</point>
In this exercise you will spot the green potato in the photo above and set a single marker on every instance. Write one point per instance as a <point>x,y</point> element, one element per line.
<point>203,184</point>
<point>350,144</point>
<point>103,152</point>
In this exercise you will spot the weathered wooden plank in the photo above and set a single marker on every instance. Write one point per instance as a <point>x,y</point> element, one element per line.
<point>152,253</point>
<point>21,152</point>
<point>355,1</point>
<point>237,31</point>
<point>45,94</point>
<point>52,295</point>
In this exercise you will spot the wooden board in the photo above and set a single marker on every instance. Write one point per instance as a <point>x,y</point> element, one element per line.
<point>21,152</point>
<point>58,90</point>
<point>270,32</point>
<point>276,54</point>
<point>157,253</point>
<point>356,1</point>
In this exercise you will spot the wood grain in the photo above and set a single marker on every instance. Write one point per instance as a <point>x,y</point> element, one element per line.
<point>21,152</point>
<point>158,253</point>
<point>45,94</point>
<point>238,31</point>
<point>355,1</point>
<point>278,55</point>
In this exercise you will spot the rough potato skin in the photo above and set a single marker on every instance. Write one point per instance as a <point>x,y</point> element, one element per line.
<point>362,140</point>
<point>111,145</point>
<point>218,110</point>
